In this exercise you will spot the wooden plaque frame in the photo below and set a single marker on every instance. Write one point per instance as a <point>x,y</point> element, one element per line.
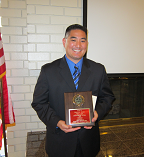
<point>79,109</point>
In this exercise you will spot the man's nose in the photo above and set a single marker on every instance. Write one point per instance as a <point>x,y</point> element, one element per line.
<point>78,43</point>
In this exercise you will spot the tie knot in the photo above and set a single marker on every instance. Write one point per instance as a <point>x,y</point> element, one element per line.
<point>76,68</point>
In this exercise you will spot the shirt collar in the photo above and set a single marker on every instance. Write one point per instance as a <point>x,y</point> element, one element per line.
<point>72,64</point>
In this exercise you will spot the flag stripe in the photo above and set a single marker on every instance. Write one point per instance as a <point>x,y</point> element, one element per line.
<point>2,60</point>
<point>1,52</point>
<point>1,45</point>
<point>2,68</point>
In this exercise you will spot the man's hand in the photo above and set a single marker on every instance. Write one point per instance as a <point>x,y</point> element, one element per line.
<point>66,128</point>
<point>93,120</point>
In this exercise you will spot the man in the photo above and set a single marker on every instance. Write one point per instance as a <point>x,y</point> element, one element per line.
<point>55,79</point>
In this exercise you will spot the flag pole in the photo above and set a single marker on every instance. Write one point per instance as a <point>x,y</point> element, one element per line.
<point>3,120</point>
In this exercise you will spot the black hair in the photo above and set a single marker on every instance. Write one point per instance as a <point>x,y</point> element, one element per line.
<point>74,27</point>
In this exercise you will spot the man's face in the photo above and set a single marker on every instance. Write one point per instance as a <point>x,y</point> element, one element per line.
<point>75,45</point>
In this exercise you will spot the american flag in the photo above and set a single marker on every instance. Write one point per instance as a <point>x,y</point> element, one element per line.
<point>7,103</point>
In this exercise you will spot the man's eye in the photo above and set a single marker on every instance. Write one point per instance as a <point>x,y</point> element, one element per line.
<point>83,41</point>
<point>73,40</point>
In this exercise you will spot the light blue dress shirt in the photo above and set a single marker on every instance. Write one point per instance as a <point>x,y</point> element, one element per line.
<point>72,64</point>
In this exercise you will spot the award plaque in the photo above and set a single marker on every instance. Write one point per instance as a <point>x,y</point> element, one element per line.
<point>78,109</point>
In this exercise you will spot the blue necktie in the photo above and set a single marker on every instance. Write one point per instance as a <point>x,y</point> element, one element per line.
<point>76,76</point>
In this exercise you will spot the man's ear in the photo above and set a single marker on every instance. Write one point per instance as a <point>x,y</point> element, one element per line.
<point>64,41</point>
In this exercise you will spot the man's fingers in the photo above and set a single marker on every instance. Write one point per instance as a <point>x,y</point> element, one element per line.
<point>71,129</point>
<point>87,127</point>
<point>93,120</point>
<point>95,116</point>
<point>66,128</point>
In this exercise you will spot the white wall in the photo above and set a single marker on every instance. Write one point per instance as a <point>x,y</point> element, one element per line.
<point>32,32</point>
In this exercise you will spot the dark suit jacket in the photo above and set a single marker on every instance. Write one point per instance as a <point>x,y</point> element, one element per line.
<point>48,101</point>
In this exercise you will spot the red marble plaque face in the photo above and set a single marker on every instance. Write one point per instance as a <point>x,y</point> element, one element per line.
<point>79,116</point>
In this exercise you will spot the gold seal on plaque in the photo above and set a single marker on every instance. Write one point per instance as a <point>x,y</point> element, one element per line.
<point>78,100</point>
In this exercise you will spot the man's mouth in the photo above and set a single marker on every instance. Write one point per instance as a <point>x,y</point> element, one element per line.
<point>76,50</point>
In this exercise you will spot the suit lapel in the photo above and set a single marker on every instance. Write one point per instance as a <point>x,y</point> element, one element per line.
<point>66,74</point>
<point>85,74</point>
